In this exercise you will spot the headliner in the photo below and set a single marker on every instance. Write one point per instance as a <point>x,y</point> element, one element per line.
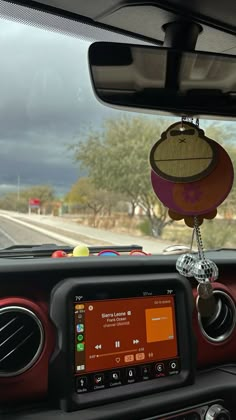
<point>145,18</point>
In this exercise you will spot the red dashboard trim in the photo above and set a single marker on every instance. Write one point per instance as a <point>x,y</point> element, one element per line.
<point>208,353</point>
<point>32,384</point>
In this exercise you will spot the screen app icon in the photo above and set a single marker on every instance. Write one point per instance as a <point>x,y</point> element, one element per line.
<point>80,347</point>
<point>99,380</point>
<point>80,337</point>
<point>81,367</point>
<point>115,377</point>
<point>80,328</point>
<point>82,383</point>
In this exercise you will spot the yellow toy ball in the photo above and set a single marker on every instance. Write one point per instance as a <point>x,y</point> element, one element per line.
<point>81,251</point>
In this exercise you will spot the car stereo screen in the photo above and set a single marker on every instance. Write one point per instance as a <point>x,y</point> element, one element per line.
<point>124,340</point>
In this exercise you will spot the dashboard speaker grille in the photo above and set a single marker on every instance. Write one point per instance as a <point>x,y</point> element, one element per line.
<point>221,324</point>
<point>21,340</point>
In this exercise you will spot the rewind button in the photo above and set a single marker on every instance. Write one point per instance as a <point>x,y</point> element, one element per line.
<point>98,346</point>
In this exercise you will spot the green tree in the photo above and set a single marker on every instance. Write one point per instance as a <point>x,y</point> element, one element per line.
<point>44,193</point>
<point>10,201</point>
<point>223,133</point>
<point>218,234</point>
<point>116,160</point>
<point>86,195</point>
<point>220,131</point>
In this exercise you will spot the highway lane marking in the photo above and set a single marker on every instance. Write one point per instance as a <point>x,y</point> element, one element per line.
<point>43,223</point>
<point>48,233</point>
<point>54,225</point>
<point>85,234</point>
<point>8,236</point>
<point>152,246</point>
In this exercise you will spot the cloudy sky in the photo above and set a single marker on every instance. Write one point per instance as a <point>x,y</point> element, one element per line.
<point>46,99</point>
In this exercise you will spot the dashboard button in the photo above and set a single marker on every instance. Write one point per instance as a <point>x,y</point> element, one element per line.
<point>129,358</point>
<point>98,380</point>
<point>130,375</point>
<point>159,367</point>
<point>115,377</point>
<point>140,356</point>
<point>173,366</point>
<point>145,372</point>
<point>81,384</point>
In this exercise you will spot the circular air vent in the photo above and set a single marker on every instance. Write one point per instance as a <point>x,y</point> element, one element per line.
<point>21,340</point>
<point>221,324</point>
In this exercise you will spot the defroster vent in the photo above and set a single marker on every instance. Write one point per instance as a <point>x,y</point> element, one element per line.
<point>21,340</point>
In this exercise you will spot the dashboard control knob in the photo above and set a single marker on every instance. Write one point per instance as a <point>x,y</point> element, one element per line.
<point>217,412</point>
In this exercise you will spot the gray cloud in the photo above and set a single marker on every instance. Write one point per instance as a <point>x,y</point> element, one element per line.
<point>46,98</point>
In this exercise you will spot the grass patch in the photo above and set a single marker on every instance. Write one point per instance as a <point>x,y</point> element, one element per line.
<point>215,234</point>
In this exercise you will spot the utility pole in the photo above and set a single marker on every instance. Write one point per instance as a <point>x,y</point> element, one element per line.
<point>18,187</point>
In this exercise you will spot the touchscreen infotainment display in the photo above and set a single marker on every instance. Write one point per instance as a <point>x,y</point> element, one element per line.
<point>122,341</point>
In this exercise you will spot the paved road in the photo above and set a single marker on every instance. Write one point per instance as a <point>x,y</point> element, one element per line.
<point>35,229</point>
<point>12,233</point>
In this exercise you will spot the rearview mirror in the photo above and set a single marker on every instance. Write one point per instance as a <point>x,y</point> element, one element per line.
<point>158,78</point>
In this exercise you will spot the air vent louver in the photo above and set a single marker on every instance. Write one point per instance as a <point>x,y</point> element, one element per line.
<point>21,340</point>
<point>219,326</point>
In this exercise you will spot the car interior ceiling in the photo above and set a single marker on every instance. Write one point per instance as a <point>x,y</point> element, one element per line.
<point>184,369</point>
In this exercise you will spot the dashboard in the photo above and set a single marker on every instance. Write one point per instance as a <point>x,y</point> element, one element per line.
<point>99,336</point>
<point>121,337</point>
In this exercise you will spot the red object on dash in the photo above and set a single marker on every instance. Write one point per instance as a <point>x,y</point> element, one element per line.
<point>136,252</point>
<point>59,254</point>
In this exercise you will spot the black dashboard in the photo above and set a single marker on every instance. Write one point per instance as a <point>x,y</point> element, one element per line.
<point>121,336</point>
<point>87,308</point>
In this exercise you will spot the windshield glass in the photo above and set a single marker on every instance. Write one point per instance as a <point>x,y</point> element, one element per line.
<point>74,170</point>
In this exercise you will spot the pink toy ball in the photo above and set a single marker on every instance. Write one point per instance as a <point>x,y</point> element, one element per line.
<point>108,253</point>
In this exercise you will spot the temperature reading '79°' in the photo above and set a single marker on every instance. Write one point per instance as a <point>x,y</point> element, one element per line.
<point>78,298</point>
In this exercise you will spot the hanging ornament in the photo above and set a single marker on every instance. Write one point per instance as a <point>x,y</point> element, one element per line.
<point>189,220</point>
<point>187,170</point>
<point>192,175</point>
<point>200,197</point>
<point>205,272</point>
<point>203,269</point>
<point>185,264</point>
<point>183,154</point>
<point>199,267</point>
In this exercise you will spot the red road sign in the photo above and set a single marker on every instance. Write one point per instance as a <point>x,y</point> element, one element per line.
<point>34,202</point>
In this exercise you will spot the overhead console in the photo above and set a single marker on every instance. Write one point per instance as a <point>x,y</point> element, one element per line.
<point>119,337</point>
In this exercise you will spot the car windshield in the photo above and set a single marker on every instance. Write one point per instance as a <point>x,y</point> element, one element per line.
<point>72,169</point>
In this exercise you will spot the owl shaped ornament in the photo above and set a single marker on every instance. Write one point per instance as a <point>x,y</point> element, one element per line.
<point>183,154</point>
<point>192,175</point>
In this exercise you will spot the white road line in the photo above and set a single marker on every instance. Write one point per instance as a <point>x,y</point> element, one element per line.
<point>58,237</point>
<point>2,231</point>
<point>84,234</point>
